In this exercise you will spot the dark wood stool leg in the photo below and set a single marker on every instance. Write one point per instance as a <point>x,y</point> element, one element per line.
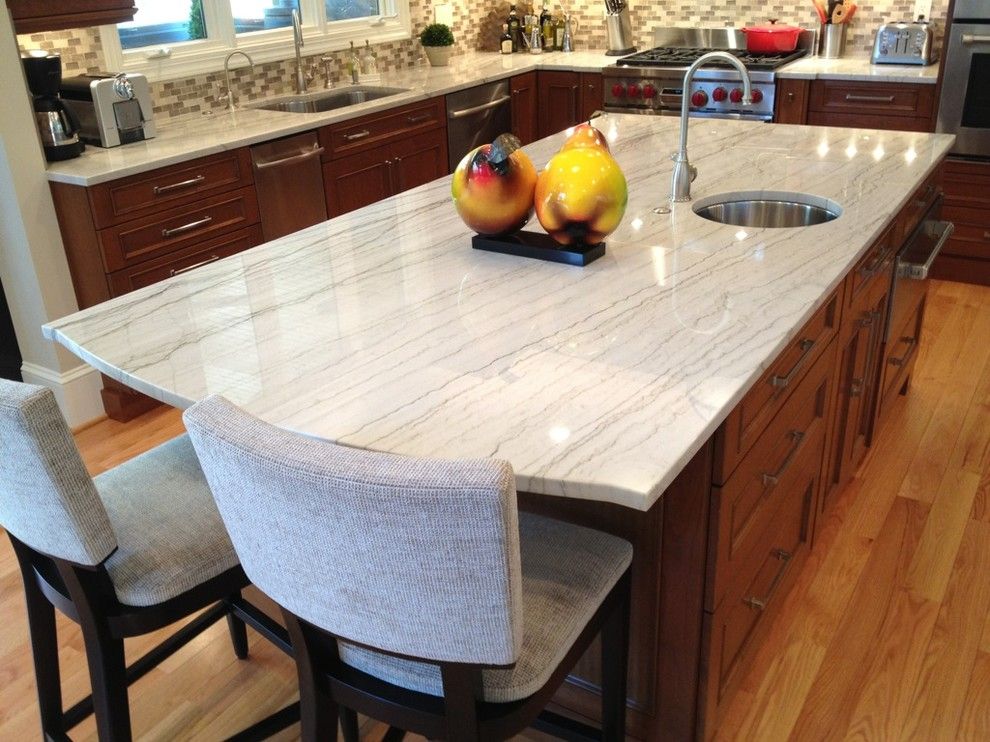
<point>317,709</point>
<point>461,689</point>
<point>238,632</point>
<point>108,676</point>
<point>349,725</point>
<point>615,660</point>
<point>44,649</point>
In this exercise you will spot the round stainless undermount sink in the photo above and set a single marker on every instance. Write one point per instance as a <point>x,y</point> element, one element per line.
<point>767,209</point>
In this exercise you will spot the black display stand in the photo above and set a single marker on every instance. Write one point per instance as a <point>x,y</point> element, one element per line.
<point>539,246</point>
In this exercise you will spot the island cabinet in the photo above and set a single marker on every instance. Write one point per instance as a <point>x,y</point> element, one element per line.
<point>966,256</point>
<point>524,107</point>
<point>131,232</point>
<point>382,154</point>
<point>566,99</point>
<point>869,105</point>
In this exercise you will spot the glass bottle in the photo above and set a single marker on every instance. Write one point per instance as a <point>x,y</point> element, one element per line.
<point>546,28</point>
<point>505,42</point>
<point>514,27</point>
<point>558,33</point>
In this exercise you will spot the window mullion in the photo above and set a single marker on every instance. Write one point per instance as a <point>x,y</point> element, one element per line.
<point>220,22</point>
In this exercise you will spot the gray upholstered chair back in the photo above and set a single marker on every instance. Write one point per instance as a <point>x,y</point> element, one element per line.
<point>414,556</point>
<point>47,499</point>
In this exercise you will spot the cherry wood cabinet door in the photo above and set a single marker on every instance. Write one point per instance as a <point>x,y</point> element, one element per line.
<point>524,107</point>
<point>559,107</point>
<point>32,16</point>
<point>592,94</point>
<point>792,101</point>
<point>418,160</point>
<point>357,180</point>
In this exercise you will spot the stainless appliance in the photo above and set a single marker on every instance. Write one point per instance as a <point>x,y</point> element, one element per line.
<point>903,43</point>
<point>964,107</point>
<point>57,127</point>
<point>288,179</point>
<point>650,82</point>
<point>476,116</point>
<point>112,109</point>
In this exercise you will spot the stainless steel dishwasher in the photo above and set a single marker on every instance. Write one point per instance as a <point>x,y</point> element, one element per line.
<point>476,116</point>
<point>288,179</point>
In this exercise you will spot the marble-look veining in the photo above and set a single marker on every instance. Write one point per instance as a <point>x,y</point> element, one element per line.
<point>384,329</point>
<point>858,68</point>
<point>184,138</point>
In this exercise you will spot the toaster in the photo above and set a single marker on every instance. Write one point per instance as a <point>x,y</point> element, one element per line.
<point>111,109</point>
<point>903,43</point>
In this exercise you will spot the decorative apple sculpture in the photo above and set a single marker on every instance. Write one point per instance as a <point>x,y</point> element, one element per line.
<point>581,195</point>
<point>493,187</point>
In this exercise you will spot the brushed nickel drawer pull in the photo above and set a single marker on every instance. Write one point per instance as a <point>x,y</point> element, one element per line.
<point>357,135</point>
<point>760,604</point>
<point>855,387</point>
<point>771,480</point>
<point>909,341</point>
<point>869,98</point>
<point>186,227</point>
<point>781,382</point>
<point>986,235</point>
<point>194,266</point>
<point>159,190</point>
<point>419,119</point>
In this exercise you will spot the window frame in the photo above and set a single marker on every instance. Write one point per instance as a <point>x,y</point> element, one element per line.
<point>203,56</point>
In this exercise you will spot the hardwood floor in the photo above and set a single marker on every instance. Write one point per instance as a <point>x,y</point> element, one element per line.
<point>886,635</point>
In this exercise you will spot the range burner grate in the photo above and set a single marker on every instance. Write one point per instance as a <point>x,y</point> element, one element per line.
<point>668,56</point>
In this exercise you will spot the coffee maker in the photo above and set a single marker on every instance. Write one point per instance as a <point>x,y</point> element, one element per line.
<point>57,127</point>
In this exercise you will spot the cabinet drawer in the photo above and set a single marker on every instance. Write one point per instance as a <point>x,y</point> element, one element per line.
<point>153,271</point>
<point>380,128</point>
<point>732,633</point>
<point>966,182</point>
<point>162,234</point>
<point>875,265</point>
<point>832,96</point>
<point>748,419</point>
<point>918,205</point>
<point>775,471</point>
<point>900,350</point>
<point>169,187</point>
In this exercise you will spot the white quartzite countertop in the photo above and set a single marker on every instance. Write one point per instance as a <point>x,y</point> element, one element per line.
<point>198,135</point>
<point>384,329</point>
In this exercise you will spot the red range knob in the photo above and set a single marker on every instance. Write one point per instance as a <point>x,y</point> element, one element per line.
<point>757,96</point>
<point>719,94</point>
<point>633,90</point>
<point>649,91</point>
<point>618,90</point>
<point>736,95</point>
<point>699,98</point>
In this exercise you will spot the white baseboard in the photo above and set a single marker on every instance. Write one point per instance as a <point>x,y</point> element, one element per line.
<point>77,390</point>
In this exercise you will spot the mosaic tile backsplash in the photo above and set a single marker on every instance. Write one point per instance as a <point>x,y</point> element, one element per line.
<point>474,21</point>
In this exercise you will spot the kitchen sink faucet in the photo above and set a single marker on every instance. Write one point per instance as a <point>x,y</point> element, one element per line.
<point>226,74</point>
<point>297,41</point>
<point>684,171</point>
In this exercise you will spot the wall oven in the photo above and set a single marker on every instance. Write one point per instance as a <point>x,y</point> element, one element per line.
<point>964,107</point>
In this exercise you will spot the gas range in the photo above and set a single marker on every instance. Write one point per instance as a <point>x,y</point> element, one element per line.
<point>651,82</point>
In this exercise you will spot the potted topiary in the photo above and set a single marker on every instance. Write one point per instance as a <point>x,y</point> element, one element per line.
<point>438,41</point>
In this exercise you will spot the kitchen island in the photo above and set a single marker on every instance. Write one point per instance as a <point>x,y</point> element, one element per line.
<point>604,386</point>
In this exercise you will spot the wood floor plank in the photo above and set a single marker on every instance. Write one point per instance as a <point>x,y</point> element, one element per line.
<point>928,576</point>
<point>842,673</point>
<point>941,688</point>
<point>981,502</point>
<point>974,726</point>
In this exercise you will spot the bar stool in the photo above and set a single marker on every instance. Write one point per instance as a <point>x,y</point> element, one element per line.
<point>124,554</point>
<point>413,590</point>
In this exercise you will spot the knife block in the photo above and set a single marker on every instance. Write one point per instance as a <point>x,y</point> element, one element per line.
<point>618,29</point>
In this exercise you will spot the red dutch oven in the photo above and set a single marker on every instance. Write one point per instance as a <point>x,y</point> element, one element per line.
<point>772,37</point>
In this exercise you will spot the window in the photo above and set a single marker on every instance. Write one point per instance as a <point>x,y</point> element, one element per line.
<point>172,38</point>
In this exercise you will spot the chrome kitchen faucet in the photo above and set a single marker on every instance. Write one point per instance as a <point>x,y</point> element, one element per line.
<point>684,171</point>
<point>226,74</point>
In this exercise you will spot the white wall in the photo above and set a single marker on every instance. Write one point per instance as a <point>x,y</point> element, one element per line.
<point>33,267</point>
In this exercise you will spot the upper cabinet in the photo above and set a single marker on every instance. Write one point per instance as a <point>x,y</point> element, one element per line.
<point>31,16</point>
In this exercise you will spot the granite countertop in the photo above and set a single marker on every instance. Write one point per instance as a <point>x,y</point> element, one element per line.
<point>199,135</point>
<point>383,329</point>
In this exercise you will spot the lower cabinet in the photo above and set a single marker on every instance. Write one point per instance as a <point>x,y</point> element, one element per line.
<point>566,99</point>
<point>380,155</point>
<point>868,105</point>
<point>524,107</point>
<point>966,256</point>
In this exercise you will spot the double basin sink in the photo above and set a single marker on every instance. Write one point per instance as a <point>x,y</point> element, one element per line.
<point>329,100</point>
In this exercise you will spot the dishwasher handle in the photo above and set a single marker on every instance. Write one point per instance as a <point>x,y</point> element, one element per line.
<point>915,263</point>
<point>477,109</point>
<point>290,160</point>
